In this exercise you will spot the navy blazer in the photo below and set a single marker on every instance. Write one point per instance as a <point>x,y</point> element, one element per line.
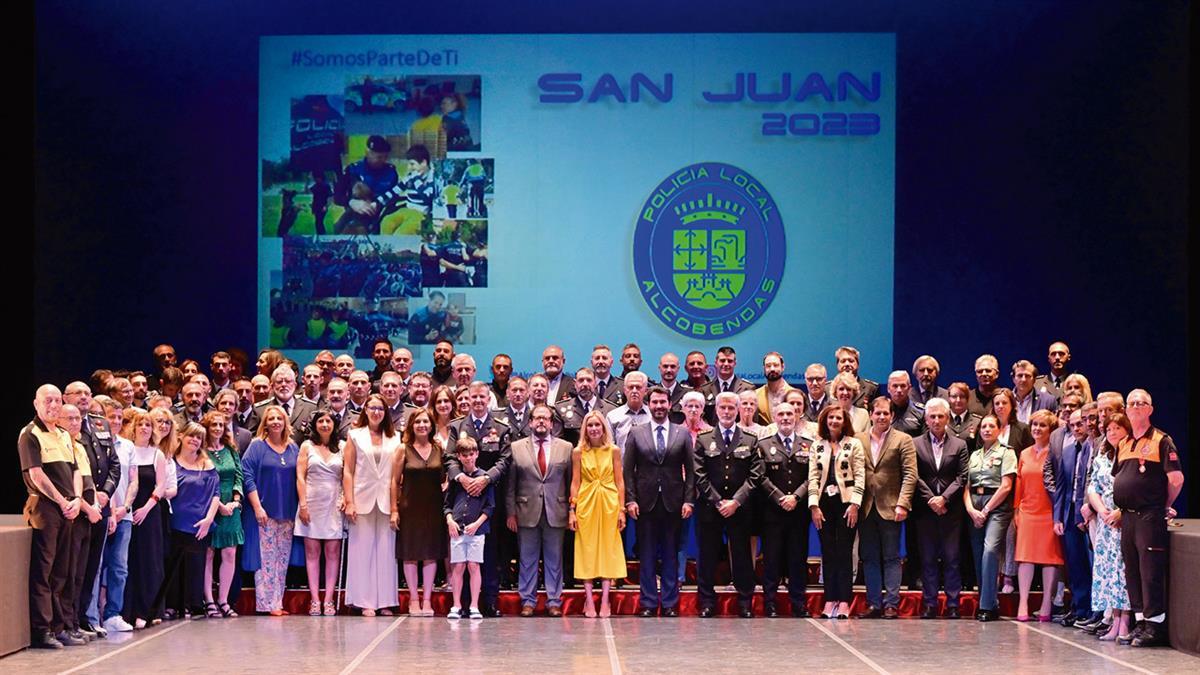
<point>1070,490</point>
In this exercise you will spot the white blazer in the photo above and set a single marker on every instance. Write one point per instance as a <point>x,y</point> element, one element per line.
<point>372,471</point>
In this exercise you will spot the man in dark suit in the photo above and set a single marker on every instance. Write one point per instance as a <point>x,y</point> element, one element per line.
<point>820,394</point>
<point>725,381</point>
<point>848,362</point>
<point>494,439</point>
<point>226,403</point>
<point>97,440</point>
<point>192,407</point>
<point>1029,398</point>
<point>572,410</point>
<point>242,412</point>
<point>391,388</point>
<point>891,463</point>
<point>283,393</point>
<point>659,484</point>
<point>786,516</point>
<point>942,461</point>
<point>562,386</point>
<point>728,469</point>
<point>926,370</point>
<point>1069,467</point>
<point>668,372</point>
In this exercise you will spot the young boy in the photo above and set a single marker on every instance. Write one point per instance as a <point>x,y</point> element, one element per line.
<point>467,519</point>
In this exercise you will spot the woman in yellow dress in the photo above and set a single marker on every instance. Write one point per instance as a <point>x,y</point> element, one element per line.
<point>597,518</point>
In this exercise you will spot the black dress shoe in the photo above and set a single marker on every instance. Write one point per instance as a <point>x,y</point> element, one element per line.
<point>1068,620</point>
<point>890,613</point>
<point>491,612</point>
<point>930,612</point>
<point>951,613</point>
<point>770,612</point>
<point>800,612</point>
<point>746,613</point>
<point>987,615</point>
<point>647,613</point>
<point>70,640</point>
<point>1098,629</point>
<point>871,613</point>
<point>46,641</point>
<point>707,613</point>
<point>1152,635</point>
<point>671,612</point>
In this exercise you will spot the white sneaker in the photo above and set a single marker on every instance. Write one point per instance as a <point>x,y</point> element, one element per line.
<point>455,613</point>
<point>117,624</point>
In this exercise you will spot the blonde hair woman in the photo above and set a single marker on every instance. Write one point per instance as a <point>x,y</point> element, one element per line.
<point>596,517</point>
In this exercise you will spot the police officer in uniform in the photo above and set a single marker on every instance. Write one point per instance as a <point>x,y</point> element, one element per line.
<point>97,440</point>
<point>1147,478</point>
<point>515,413</point>
<point>361,186</point>
<point>786,516</point>
<point>847,362</point>
<point>728,469</point>
<point>724,381</point>
<point>494,439</point>
<point>963,422</point>
<point>583,401</point>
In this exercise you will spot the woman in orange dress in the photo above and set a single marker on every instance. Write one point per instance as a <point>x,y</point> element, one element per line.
<point>1037,542</point>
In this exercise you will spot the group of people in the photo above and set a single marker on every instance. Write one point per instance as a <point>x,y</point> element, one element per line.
<point>148,498</point>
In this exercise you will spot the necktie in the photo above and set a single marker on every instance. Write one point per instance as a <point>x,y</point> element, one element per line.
<point>958,420</point>
<point>816,406</point>
<point>787,443</point>
<point>587,407</point>
<point>726,386</point>
<point>728,436</point>
<point>1078,470</point>
<point>287,409</point>
<point>601,385</point>
<point>542,456</point>
<point>660,446</point>
<point>478,427</point>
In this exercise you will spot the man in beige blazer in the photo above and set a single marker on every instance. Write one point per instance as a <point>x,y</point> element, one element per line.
<point>891,468</point>
<point>539,489</point>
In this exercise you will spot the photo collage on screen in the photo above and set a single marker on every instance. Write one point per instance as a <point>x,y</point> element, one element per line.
<point>382,211</point>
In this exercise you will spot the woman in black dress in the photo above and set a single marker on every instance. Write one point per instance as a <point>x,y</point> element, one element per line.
<point>148,472</point>
<point>418,474</point>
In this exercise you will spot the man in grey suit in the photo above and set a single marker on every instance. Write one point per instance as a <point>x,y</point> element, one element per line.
<point>539,488</point>
<point>659,482</point>
<point>926,370</point>
<point>283,394</point>
<point>941,474</point>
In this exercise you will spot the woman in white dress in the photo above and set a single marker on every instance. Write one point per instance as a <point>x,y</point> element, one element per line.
<point>372,578</point>
<point>319,517</point>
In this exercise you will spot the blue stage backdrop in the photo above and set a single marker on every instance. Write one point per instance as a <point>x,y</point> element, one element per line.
<point>680,191</point>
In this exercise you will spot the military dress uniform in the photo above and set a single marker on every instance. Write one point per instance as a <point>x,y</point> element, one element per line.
<point>785,533</point>
<point>97,440</point>
<point>494,439</point>
<point>715,386</point>
<point>728,466</point>
<point>966,427</point>
<point>571,412</point>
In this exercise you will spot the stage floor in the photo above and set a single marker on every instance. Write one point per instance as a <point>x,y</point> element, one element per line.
<point>297,645</point>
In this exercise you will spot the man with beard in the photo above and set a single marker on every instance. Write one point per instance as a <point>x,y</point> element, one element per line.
<point>771,394</point>
<point>608,386</point>
<point>631,359</point>
<point>926,370</point>
<point>193,405</point>
<point>443,360</point>
<point>336,397</point>
<point>539,394</point>
<point>562,386</point>
<point>586,399</point>
<point>381,352</point>
<point>501,371</point>
<point>668,373</point>
<point>847,362</point>
<point>1059,359</point>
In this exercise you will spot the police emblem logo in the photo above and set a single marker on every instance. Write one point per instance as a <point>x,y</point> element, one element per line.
<point>709,250</point>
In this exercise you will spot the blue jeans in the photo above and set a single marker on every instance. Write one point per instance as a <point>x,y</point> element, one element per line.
<point>115,568</point>
<point>987,543</point>
<point>879,548</point>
